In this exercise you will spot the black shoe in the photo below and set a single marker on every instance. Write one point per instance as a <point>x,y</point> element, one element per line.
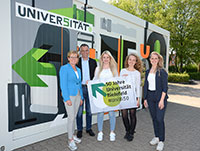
<point>91,133</point>
<point>126,135</point>
<point>79,134</point>
<point>130,137</point>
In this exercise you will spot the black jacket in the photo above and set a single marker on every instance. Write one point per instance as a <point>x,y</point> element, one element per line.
<point>161,84</point>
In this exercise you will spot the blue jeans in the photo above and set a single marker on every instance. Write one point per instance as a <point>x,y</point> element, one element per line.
<point>112,118</point>
<point>157,115</point>
<point>79,118</point>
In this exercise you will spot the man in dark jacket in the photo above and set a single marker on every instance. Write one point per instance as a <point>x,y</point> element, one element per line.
<point>87,66</point>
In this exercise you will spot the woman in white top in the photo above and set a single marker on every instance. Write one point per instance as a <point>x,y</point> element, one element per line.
<point>133,67</point>
<point>155,97</point>
<point>107,69</point>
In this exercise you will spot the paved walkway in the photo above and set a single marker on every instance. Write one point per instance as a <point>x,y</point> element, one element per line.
<point>182,128</point>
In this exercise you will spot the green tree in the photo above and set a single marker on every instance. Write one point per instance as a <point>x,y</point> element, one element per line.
<point>126,5</point>
<point>184,26</point>
<point>180,17</point>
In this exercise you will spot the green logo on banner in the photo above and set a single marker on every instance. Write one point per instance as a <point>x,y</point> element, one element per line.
<point>95,88</point>
<point>113,94</point>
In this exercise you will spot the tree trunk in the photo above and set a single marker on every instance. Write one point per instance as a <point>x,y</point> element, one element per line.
<point>199,68</point>
<point>181,64</point>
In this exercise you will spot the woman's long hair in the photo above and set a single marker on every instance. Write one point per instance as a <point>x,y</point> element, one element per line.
<point>112,64</point>
<point>138,65</point>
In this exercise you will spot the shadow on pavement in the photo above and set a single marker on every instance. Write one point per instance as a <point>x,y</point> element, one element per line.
<point>184,90</point>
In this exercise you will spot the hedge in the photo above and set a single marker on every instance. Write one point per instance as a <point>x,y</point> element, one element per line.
<point>190,68</point>
<point>194,75</point>
<point>178,77</point>
<point>187,68</point>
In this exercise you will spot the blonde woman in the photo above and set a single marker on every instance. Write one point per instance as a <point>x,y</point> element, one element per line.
<point>155,97</point>
<point>133,68</point>
<point>70,84</point>
<point>107,69</point>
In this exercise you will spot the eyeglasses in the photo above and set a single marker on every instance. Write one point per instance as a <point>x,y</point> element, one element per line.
<point>73,57</point>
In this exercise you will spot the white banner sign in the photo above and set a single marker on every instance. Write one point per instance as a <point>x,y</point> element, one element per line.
<point>111,94</point>
<point>43,16</point>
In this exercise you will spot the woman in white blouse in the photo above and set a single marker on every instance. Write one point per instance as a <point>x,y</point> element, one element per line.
<point>133,67</point>
<point>155,97</point>
<point>107,69</point>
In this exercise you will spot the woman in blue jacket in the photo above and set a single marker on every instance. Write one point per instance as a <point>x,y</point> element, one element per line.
<point>70,83</point>
<point>155,97</point>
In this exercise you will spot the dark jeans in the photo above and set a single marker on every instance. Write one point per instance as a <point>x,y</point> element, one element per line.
<point>157,115</point>
<point>79,118</point>
<point>129,124</point>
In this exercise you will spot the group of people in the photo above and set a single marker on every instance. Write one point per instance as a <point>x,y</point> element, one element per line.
<point>74,78</point>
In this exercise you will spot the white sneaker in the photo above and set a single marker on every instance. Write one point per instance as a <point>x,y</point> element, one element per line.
<point>100,136</point>
<point>76,139</point>
<point>112,136</point>
<point>160,146</point>
<point>72,146</point>
<point>154,141</point>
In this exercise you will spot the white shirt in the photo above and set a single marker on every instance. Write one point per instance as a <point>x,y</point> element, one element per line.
<point>77,74</point>
<point>136,76</point>
<point>85,70</point>
<point>105,73</point>
<point>152,81</point>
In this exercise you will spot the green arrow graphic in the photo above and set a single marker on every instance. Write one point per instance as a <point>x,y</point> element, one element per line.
<point>29,68</point>
<point>95,87</point>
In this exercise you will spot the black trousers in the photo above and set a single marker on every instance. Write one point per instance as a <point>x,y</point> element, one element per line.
<point>157,115</point>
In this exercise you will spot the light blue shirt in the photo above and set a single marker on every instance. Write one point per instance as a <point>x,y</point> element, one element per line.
<point>85,70</point>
